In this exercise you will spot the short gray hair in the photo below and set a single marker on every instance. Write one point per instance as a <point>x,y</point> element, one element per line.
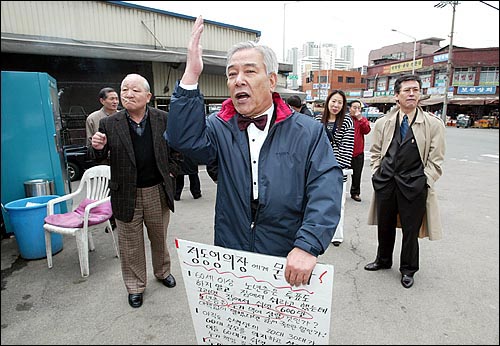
<point>270,59</point>
<point>135,75</point>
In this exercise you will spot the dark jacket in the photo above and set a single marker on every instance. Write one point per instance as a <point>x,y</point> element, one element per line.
<point>300,182</point>
<point>188,165</point>
<point>122,160</point>
<point>306,111</point>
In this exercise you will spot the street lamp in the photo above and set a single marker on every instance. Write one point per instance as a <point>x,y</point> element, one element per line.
<point>449,75</point>
<point>414,48</point>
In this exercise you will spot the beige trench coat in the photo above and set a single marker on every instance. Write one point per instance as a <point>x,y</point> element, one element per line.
<point>429,132</point>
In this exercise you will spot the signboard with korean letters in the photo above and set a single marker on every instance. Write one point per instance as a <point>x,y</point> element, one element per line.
<point>242,298</point>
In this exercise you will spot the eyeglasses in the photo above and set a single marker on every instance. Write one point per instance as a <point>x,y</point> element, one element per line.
<point>408,90</point>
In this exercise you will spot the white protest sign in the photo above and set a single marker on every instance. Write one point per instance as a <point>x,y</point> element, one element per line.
<point>242,298</point>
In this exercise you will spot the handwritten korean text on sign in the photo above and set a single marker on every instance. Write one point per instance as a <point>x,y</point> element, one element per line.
<point>238,297</point>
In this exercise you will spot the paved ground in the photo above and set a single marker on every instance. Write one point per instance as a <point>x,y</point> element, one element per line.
<point>454,300</point>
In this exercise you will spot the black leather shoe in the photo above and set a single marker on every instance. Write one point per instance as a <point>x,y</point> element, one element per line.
<point>197,196</point>
<point>177,198</point>
<point>169,281</point>
<point>374,266</point>
<point>407,281</point>
<point>135,300</point>
<point>356,198</point>
<point>336,243</point>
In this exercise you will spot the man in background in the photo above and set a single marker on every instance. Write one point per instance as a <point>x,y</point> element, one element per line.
<point>189,167</point>
<point>296,103</point>
<point>361,128</point>
<point>108,97</point>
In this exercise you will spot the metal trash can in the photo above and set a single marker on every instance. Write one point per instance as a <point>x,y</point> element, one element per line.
<point>39,187</point>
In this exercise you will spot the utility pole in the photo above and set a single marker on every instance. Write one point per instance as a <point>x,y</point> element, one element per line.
<point>449,74</point>
<point>319,72</point>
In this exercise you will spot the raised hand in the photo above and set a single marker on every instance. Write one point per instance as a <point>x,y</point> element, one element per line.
<point>358,114</point>
<point>99,140</point>
<point>194,62</point>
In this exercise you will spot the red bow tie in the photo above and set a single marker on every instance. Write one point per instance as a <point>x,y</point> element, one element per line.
<point>259,122</point>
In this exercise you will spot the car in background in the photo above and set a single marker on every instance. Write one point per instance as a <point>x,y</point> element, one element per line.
<point>372,113</point>
<point>463,121</point>
<point>212,108</point>
<point>486,122</point>
<point>77,160</point>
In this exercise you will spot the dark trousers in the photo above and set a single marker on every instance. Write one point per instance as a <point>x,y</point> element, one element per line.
<point>194,185</point>
<point>411,214</point>
<point>357,168</point>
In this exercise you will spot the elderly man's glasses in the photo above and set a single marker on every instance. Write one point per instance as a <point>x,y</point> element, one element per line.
<point>409,90</point>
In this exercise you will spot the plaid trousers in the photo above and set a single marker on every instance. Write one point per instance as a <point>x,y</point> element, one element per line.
<point>151,210</point>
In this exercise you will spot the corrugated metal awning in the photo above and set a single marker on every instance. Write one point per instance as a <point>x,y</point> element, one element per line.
<point>214,61</point>
<point>473,100</point>
<point>432,100</point>
<point>27,44</point>
<point>461,100</point>
<point>286,93</point>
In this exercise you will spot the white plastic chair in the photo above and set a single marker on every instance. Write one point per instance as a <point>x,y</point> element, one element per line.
<point>95,180</point>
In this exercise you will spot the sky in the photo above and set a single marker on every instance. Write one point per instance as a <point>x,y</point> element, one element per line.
<point>365,25</point>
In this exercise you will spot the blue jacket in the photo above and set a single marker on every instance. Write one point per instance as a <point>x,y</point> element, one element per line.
<point>300,182</point>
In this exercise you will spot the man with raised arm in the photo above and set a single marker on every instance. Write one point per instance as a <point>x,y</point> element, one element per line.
<point>278,183</point>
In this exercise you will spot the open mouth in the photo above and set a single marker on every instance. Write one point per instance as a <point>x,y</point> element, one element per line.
<point>242,96</point>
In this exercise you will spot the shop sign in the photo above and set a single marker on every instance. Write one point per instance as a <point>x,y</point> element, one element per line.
<point>406,66</point>
<point>440,58</point>
<point>477,90</point>
<point>384,93</point>
<point>368,93</point>
<point>354,93</point>
<point>436,91</point>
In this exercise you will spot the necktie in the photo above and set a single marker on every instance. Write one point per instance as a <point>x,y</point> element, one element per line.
<point>404,127</point>
<point>259,122</point>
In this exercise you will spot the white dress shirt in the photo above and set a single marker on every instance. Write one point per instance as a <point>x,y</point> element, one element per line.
<point>256,138</point>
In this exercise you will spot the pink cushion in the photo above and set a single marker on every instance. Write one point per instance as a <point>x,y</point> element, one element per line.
<point>74,219</point>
